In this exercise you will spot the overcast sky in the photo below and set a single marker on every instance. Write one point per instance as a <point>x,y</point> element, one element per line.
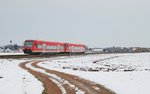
<point>96,23</point>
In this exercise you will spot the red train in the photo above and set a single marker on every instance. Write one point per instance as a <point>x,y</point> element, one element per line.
<point>38,47</point>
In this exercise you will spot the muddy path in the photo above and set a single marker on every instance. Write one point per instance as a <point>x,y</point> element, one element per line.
<point>47,83</point>
<point>70,83</point>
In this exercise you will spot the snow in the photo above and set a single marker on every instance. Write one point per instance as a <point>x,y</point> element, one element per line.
<point>57,80</point>
<point>19,53</point>
<point>15,80</point>
<point>119,82</point>
<point>122,73</point>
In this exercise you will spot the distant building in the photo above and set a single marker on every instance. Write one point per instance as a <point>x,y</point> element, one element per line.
<point>125,49</point>
<point>116,50</point>
<point>1,49</point>
<point>11,48</point>
<point>96,50</point>
<point>8,50</point>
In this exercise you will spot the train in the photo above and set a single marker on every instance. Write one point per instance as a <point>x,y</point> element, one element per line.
<point>32,47</point>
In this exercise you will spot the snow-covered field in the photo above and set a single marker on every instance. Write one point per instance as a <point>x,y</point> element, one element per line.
<point>122,73</point>
<point>14,80</point>
<point>18,53</point>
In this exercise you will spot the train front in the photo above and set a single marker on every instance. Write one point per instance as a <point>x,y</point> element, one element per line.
<point>28,46</point>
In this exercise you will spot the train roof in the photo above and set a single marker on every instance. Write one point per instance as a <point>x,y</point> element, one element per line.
<point>71,44</point>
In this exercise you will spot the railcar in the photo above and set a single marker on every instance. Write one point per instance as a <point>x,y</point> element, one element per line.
<point>38,47</point>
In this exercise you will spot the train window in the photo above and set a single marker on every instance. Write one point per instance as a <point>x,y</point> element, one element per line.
<point>47,47</point>
<point>28,44</point>
<point>39,46</point>
<point>44,46</point>
<point>52,47</point>
<point>58,47</point>
<point>61,47</point>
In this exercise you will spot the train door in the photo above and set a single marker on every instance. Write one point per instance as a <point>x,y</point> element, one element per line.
<point>66,47</point>
<point>44,48</point>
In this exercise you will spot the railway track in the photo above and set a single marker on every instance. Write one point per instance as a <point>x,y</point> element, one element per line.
<point>39,56</point>
<point>55,82</point>
<point>24,56</point>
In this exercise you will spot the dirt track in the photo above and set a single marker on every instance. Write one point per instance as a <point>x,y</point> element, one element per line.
<point>74,84</point>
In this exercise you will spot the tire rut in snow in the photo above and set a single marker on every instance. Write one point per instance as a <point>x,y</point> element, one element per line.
<point>65,87</point>
<point>85,85</point>
<point>49,86</point>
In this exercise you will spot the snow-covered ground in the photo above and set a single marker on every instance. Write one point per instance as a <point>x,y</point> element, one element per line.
<point>14,80</point>
<point>15,53</point>
<point>122,73</point>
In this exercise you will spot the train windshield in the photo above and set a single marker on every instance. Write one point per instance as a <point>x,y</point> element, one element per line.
<point>28,44</point>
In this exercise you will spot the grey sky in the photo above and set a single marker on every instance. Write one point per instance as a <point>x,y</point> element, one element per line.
<point>99,23</point>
